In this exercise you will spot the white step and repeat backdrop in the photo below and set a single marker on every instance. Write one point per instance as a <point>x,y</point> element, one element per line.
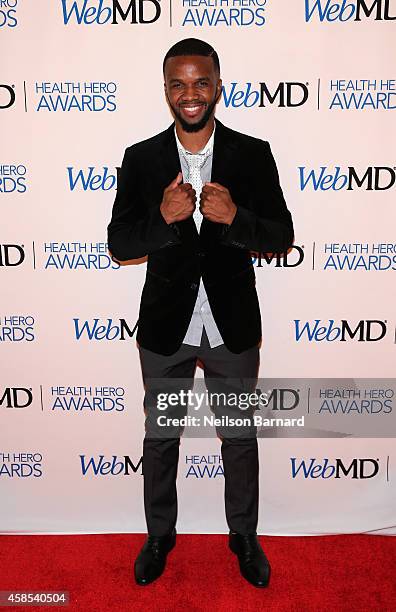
<point>82,79</point>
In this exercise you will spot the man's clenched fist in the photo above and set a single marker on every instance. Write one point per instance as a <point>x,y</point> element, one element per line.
<point>216,203</point>
<point>178,202</point>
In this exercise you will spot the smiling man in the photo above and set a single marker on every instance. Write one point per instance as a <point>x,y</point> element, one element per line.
<point>196,199</point>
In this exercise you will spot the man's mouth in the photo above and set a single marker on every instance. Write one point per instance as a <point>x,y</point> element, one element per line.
<point>191,110</point>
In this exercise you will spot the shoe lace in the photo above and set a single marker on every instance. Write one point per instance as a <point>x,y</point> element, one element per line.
<point>154,544</point>
<point>249,546</point>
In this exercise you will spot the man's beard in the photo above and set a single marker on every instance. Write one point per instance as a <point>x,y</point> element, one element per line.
<point>195,127</point>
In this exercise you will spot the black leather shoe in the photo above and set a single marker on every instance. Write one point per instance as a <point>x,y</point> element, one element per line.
<point>151,561</point>
<point>253,563</point>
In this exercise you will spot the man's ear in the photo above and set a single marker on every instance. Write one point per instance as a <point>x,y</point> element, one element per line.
<point>166,93</point>
<point>218,90</point>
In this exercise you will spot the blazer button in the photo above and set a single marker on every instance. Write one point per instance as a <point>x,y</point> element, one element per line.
<point>193,286</point>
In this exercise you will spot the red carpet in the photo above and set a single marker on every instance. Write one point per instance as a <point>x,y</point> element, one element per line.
<point>319,573</point>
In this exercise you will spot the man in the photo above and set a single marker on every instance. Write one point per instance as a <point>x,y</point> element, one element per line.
<point>196,199</point>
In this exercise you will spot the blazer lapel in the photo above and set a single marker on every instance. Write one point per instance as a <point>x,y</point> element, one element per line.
<point>170,163</point>
<point>224,150</point>
<point>223,172</point>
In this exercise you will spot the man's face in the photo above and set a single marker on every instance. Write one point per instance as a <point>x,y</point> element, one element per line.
<point>192,87</point>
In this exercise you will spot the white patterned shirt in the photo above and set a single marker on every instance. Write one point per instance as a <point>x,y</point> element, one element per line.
<point>197,169</point>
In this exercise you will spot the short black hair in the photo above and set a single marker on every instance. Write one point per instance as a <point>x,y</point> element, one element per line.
<point>192,46</point>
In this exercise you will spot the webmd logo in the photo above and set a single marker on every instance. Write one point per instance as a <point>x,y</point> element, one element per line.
<point>91,178</point>
<point>371,330</point>
<point>358,469</point>
<point>7,96</point>
<point>11,255</point>
<point>290,259</point>
<point>284,94</point>
<point>15,397</point>
<point>102,12</point>
<point>98,329</point>
<point>326,10</point>
<point>373,178</point>
<point>113,466</point>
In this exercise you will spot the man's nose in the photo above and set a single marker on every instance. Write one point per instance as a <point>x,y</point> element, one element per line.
<point>190,92</point>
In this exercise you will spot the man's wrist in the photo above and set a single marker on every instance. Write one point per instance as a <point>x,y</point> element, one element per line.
<point>164,217</point>
<point>232,214</point>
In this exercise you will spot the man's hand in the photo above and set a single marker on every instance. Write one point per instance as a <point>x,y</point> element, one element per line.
<point>178,202</point>
<point>216,203</point>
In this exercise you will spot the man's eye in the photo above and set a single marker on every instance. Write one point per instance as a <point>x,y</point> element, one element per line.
<point>176,85</point>
<point>203,83</point>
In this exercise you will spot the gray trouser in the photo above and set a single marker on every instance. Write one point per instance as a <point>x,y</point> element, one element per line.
<point>161,447</point>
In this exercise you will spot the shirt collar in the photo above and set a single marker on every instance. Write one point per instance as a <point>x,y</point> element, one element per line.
<point>208,148</point>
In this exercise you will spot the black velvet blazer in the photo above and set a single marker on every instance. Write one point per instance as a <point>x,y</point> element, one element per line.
<point>178,255</point>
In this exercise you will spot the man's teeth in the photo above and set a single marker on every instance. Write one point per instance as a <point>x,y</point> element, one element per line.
<point>192,108</point>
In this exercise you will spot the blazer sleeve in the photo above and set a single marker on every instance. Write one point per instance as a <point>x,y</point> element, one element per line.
<point>135,229</point>
<point>266,226</point>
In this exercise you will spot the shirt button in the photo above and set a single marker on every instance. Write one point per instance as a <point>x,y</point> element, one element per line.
<point>193,286</point>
